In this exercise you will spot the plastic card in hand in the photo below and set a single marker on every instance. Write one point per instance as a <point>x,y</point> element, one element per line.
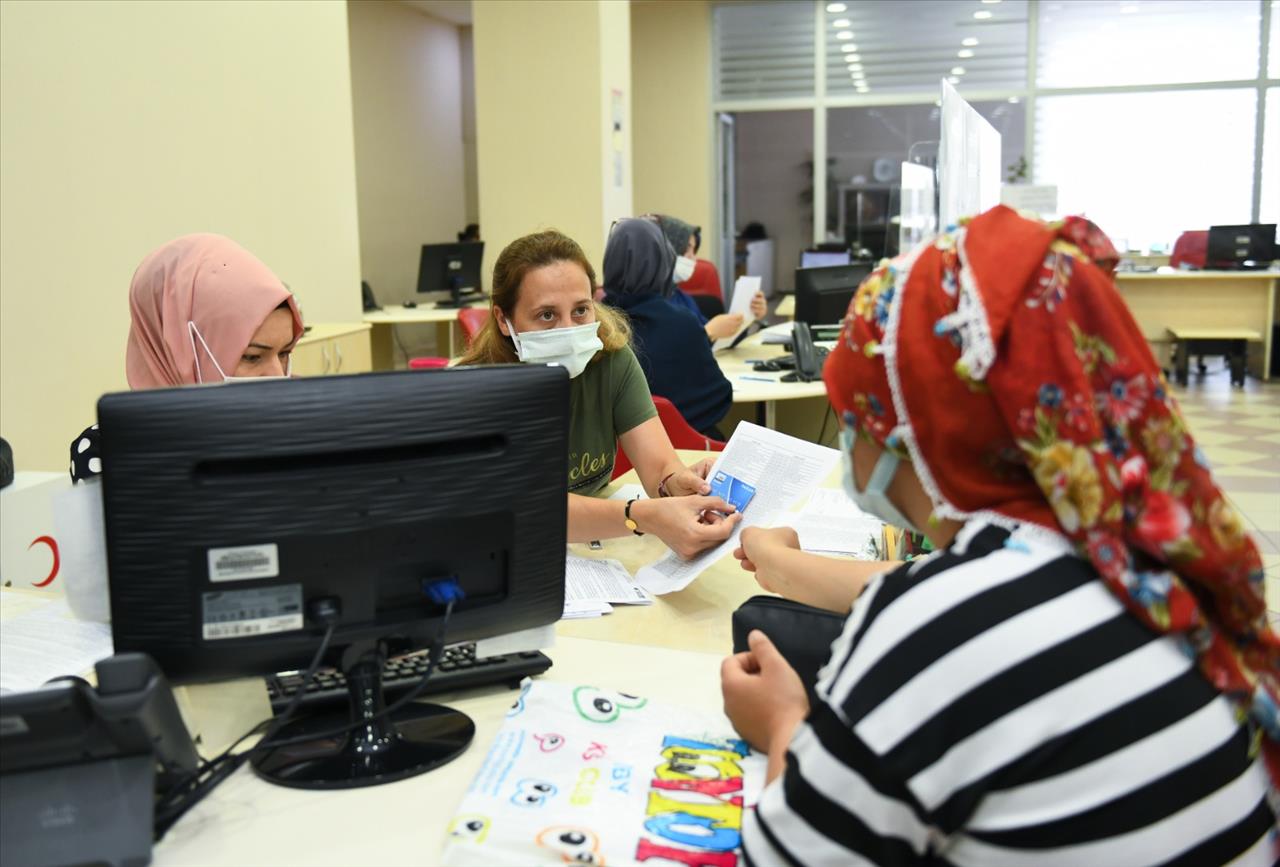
<point>733,491</point>
<point>584,775</point>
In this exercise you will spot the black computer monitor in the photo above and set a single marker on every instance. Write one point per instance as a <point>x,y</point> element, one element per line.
<point>824,258</point>
<point>236,515</point>
<point>823,294</point>
<point>452,268</point>
<point>1241,247</point>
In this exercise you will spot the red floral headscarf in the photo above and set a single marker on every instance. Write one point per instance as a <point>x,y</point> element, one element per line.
<point>1001,360</point>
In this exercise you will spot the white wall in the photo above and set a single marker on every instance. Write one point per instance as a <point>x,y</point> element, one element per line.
<point>671,78</point>
<point>407,99</point>
<point>128,123</point>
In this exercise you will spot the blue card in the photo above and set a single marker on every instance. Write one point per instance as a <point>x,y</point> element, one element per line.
<point>734,491</point>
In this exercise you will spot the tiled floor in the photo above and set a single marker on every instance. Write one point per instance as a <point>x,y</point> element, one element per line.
<point>1239,431</point>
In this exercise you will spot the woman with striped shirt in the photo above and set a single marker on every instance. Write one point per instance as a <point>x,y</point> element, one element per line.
<point>1083,673</point>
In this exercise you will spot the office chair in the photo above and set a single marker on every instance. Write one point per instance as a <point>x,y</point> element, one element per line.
<point>681,433</point>
<point>471,320</point>
<point>1191,249</point>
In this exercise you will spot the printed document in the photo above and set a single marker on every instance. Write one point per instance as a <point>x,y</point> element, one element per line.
<point>783,469</point>
<point>40,638</point>
<point>743,291</point>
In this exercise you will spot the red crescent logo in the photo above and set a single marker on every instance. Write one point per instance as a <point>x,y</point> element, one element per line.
<point>53,547</point>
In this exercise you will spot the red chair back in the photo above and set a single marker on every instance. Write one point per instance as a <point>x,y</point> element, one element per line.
<point>704,280</point>
<point>472,319</point>
<point>680,432</point>
<point>429,362</point>
<point>1191,248</point>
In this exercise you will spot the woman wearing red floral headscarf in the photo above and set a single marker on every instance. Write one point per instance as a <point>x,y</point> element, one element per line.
<point>1083,673</point>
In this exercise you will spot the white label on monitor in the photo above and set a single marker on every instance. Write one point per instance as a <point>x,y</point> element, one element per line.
<point>244,563</point>
<point>250,613</point>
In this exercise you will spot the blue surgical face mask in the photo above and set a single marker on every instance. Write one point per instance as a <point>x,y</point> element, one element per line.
<point>875,499</point>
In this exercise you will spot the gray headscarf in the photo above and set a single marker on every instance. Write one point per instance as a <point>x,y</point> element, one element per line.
<point>678,232</point>
<point>638,260</point>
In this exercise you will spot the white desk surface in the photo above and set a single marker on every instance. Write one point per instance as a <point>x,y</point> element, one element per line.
<point>734,365</point>
<point>247,821</point>
<point>328,330</point>
<point>1123,277</point>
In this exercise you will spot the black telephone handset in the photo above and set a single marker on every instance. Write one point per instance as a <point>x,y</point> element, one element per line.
<point>370,302</point>
<point>808,364</point>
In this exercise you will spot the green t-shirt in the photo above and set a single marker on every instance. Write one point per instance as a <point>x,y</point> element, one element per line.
<point>608,399</point>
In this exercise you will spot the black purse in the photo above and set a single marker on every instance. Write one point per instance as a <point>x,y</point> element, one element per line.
<point>803,634</point>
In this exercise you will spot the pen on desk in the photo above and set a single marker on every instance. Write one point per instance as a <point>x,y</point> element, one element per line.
<point>758,378</point>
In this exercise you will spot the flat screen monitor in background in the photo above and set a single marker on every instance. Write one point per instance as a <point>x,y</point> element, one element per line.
<point>452,268</point>
<point>1241,247</point>
<point>968,161</point>
<point>823,294</point>
<point>823,258</point>
<point>242,520</point>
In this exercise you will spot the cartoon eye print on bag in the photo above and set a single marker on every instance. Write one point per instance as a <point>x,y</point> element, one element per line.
<point>574,845</point>
<point>470,828</point>
<point>518,708</point>
<point>602,705</point>
<point>549,743</point>
<point>533,793</point>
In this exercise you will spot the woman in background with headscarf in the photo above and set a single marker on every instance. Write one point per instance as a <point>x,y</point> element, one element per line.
<point>202,310</point>
<point>1083,673</point>
<point>689,272</point>
<point>669,343</point>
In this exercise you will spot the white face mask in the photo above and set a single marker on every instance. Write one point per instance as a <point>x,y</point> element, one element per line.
<point>684,268</point>
<point>571,348</point>
<point>875,499</point>
<point>195,335</point>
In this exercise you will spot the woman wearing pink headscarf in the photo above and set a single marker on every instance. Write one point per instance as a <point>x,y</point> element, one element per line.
<point>203,310</point>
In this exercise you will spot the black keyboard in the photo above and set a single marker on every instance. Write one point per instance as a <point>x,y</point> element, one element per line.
<point>459,668</point>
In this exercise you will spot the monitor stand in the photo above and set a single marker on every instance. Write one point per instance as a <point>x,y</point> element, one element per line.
<point>457,298</point>
<point>415,739</point>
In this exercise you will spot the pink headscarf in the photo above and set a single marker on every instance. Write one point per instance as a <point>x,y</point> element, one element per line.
<point>211,281</point>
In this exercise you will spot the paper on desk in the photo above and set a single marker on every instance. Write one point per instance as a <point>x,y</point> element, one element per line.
<point>830,523</point>
<point>743,291</point>
<point>581,609</point>
<point>776,335</point>
<point>590,579</point>
<point>517,642</point>
<point>41,638</point>
<point>782,468</point>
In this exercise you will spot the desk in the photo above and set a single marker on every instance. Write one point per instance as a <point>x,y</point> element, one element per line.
<point>332,348</point>
<point>248,821</point>
<point>734,365</point>
<point>426,313</point>
<point>786,308</point>
<point>1208,300</point>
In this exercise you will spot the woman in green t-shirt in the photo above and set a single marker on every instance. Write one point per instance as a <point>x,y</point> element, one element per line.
<point>543,312</point>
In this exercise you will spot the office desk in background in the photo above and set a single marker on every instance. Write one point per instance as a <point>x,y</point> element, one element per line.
<point>384,321</point>
<point>1190,299</point>
<point>749,386</point>
<point>331,348</point>
<point>1206,300</point>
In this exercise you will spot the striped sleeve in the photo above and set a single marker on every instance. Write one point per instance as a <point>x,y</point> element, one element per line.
<point>997,705</point>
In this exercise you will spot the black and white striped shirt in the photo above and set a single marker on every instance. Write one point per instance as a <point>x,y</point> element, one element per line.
<point>995,704</point>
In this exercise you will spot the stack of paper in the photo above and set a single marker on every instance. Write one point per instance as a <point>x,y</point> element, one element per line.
<point>831,524</point>
<point>592,587</point>
<point>40,638</point>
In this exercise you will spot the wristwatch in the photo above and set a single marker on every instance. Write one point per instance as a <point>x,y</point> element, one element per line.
<point>628,520</point>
